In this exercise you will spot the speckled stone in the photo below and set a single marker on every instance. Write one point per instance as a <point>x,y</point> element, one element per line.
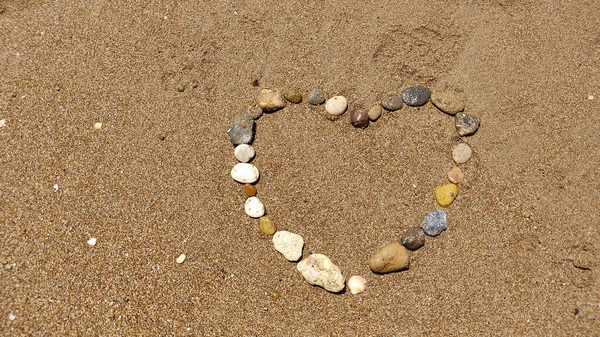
<point>241,131</point>
<point>254,207</point>
<point>392,102</point>
<point>293,97</point>
<point>270,100</point>
<point>375,112</point>
<point>434,222</point>
<point>416,96</point>
<point>448,102</point>
<point>390,258</point>
<point>466,125</point>
<point>359,118</point>
<point>413,238</point>
<point>244,153</point>
<point>462,153</point>
<point>245,173</point>
<point>316,97</point>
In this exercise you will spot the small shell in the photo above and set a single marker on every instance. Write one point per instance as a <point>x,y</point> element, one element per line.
<point>357,284</point>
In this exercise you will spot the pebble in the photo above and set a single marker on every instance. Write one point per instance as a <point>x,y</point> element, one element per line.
<point>336,105</point>
<point>316,97</point>
<point>466,125</point>
<point>359,118</point>
<point>271,100</point>
<point>375,112</point>
<point>241,131</point>
<point>392,102</point>
<point>434,222</point>
<point>180,259</point>
<point>416,96</point>
<point>2,122</point>
<point>98,126</point>
<point>318,270</point>
<point>462,153</point>
<point>254,207</point>
<point>448,102</point>
<point>289,244</point>
<point>92,241</point>
<point>293,97</point>
<point>244,153</point>
<point>255,111</point>
<point>357,284</point>
<point>11,317</point>
<point>250,190</point>
<point>390,258</point>
<point>267,225</point>
<point>245,173</point>
<point>413,238</point>
<point>455,175</point>
<point>445,195</point>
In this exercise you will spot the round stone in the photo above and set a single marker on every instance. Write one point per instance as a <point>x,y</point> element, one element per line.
<point>357,284</point>
<point>445,195</point>
<point>289,244</point>
<point>416,96</point>
<point>448,102</point>
<point>392,102</point>
<point>241,131</point>
<point>434,222</point>
<point>293,97</point>
<point>413,238</point>
<point>462,153</point>
<point>250,190</point>
<point>359,118</point>
<point>336,105</point>
<point>466,125</point>
<point>254,207</point>
<point>318,270</point>
<point>390,258</point>
<point>267,225</point>
<point>455,175</point>
<point>271,100</point>
<point>375,112</point>
<point>245,173</point>
<point>316,97</point>
<point>244,153</point>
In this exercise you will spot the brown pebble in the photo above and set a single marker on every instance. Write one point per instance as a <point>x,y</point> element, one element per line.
<point>375,112</point>
<point>250,190</point>
<point>255,83</point>
<point>293,97</point>
<point>390,258</point>
<point>455,175</point>
<point>359,118</point>
<point>413,238</point>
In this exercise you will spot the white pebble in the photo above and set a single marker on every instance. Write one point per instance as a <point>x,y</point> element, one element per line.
<point>357,284</point>
<point>91,241</point>
<point>55,187</point>
<point>336,105</point>
<point>11,317</point>
<point>318,270</point>
<point>462,153</point>
<point>180,259</point>
<point>254,207</point>
<point>244,153</point>
<point>98,126</point>
<point>244,173</point>
<point>289,244</point>
<point>2,122</point>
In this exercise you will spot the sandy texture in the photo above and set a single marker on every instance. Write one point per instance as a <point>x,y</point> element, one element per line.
<point>520,256</point>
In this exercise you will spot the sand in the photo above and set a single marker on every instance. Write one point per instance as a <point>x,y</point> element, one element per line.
<point>520,256</point>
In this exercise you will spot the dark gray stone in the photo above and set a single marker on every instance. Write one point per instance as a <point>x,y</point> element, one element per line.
<point>434,222</point>
<point>316,97</point>
<point>466,125</point>
<point>392,102</point>
<point>241,131</point>
<point>413,238</point>
<point>416,96</point>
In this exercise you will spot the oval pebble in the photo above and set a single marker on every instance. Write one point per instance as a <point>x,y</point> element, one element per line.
<point>293,97</point>
<point>375,112</point>
<point>289,244</point>
<point>245,173</point>
<point>448,102</point>
<point>316,97</point>
<point>250,190</point>
<point>413,238</point>
<point>270,100</point>
<point>241,131</point>
<point>434,222</point>
<point>462,153</point>
<point>336,105</point>
<point>392,102</point>
<point>416,96</point>
<point>455,175</point>
<point>466,125</point>
<point>390,258</point>
<point>445,195</point>
<point>267,225</point>
<point>357,284</point>
<point>244,153</point>
<point>359,118</point>
<point>254,207</point>
<point>318,270</point>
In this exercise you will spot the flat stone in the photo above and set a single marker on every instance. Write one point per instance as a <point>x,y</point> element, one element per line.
<point>375,112</point>
<point>413,238</point>
<point>392,102</point>
<point>455,175</point>
<point>250,190</point>
<point>445,195</point>
<point>466,125</point>
<point>462,153</point>
<point>390,258</point>
<point>434,222</point>
<point>245,173</point>
<point>255,111</point>
<point>270,100</point>
<point>318,270</point>
<point>357,284</point>
<point>416,96</point>
<point>336,105</point>
<point>359,118</point>
<point>241,131</point>
<point>289,244</point>
<point>244,153</point>
<point>293,97</point>
<point>254,207</point>
<point>316,97</point>
<point>267,225</point>
<point>448,102</point>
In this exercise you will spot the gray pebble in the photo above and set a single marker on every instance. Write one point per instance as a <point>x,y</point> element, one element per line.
<point>241,131</point>
<point>434,222</point>
<point>316,97</point>
<point>392,102</point>
<point>413,238</point>
<point>255,111</point>
<point>416,96</point>
<point>466,125</point>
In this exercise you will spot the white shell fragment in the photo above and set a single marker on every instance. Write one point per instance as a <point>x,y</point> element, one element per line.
<point>254,207</point>
<point>91,241</point>
<point>289,244</point>
<point>244,153</point>
<point>244,173</point>
<point>336,105</point>
<point>357,284</point>
<point>318,270</point>
<point>180,259</point>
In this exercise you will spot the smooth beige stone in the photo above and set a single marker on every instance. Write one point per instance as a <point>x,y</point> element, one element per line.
<point>455,175</point>
<point>462,153</point>
<point>449,102</point>
<point>390,258</point>
<point>271,100</point>
<point>375,112</point>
